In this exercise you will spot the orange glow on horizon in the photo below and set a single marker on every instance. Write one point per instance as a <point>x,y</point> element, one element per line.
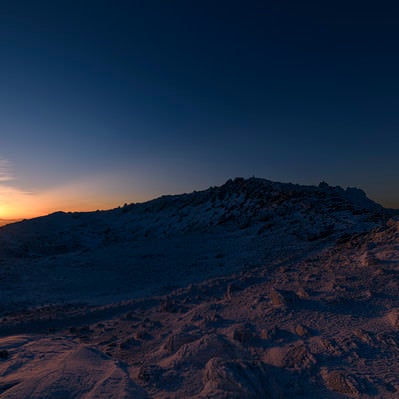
<point>79,196</point>
<point>33,205</point>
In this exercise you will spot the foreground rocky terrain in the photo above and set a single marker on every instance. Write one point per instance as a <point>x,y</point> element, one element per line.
<point>254,289</point>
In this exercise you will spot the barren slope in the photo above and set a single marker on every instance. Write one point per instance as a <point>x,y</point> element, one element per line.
<point>302,301</point>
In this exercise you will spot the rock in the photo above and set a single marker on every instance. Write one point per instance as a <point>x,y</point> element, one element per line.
<point>364,336</point>
<point>236,379</point>
<point>197,353</point>
<point>331,347</point>
<point>243,333</point>
<point>282,297</point>
<point>150,373</point>
<point>342,382</point>
<point>302,330</point>
<point>302,293</point>
<point>393,318</point>
<point>277,298</point>
<point>299,358</point>
<point>176,341</point>
<point>270,334</point>
<point>369,259</point>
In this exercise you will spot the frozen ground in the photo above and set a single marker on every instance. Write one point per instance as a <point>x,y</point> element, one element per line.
<point>253,289</point>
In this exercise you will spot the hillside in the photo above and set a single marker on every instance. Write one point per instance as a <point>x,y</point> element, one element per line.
<point>174,240</point>
<point>253,289</point>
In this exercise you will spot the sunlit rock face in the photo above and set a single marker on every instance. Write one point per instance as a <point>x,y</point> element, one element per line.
<point>253,289</point>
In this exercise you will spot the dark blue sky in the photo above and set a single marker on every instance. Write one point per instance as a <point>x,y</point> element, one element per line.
<point>105,102</point>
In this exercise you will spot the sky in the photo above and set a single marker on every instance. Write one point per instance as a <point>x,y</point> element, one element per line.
<point>110,102</point>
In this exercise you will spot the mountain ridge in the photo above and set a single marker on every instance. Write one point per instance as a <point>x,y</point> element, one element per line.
<point>175,240</point>
<point>238,198</point>
<point>253,289</point>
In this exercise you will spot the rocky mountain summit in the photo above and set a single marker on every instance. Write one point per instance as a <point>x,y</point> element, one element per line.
<point>305,211</point>
<point>253,289</point>
<point>175,240</point>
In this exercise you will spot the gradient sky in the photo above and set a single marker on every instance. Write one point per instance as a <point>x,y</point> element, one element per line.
<point>107,102</point>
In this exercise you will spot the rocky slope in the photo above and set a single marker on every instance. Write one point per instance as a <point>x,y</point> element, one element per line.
<point>306,212</point>
<point>253,289</point>
<point>174,240</point>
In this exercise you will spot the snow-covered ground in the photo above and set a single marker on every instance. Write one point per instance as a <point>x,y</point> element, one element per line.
<point>254,289</point>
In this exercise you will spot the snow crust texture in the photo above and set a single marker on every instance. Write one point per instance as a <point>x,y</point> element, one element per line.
<point>254,289</point>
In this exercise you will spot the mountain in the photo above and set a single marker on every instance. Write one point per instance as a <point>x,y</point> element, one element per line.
<point>176,240</point>
<point>258,206</point>
<point>254,289</point>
